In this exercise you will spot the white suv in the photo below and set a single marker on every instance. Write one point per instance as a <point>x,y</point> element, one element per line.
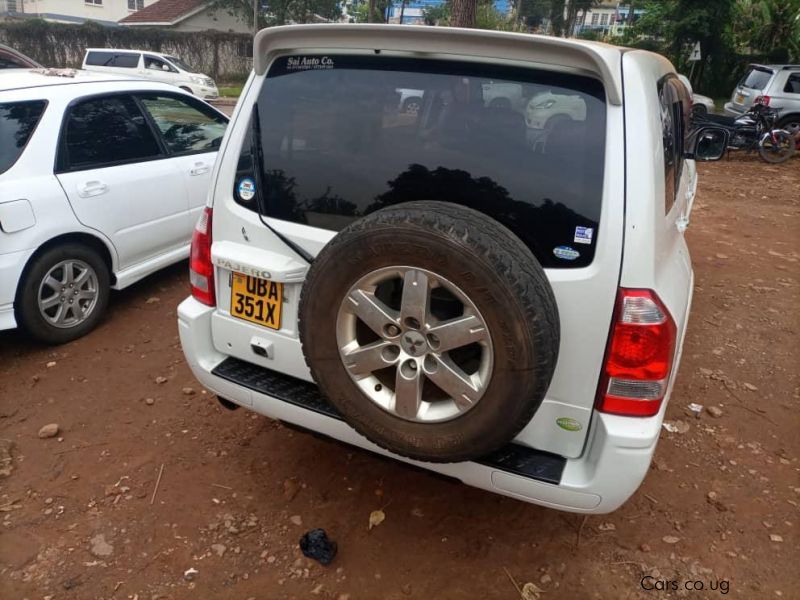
<point>101,182</point>
<point>429,286</point>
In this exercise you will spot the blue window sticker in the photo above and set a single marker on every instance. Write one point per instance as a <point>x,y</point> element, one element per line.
<point>566,253</point>
<point>583,235</point>
<point>247,189</point>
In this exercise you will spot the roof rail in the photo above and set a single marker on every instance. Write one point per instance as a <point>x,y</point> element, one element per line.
<point>599,59</point>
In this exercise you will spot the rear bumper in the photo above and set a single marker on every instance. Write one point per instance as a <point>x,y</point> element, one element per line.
<point>734,110</point>
<point>612,467</point>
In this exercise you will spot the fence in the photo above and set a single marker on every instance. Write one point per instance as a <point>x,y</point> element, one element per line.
<point>223,56</point>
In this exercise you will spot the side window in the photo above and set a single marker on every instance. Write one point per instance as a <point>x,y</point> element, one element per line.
<point>105,131</point>
<point>185,126</point>
<point>17,123</point>
<point>793,84</point>
<point>675,109</point>
<point>156,64</point>
<point>127,61</point>
<point>100,59</point>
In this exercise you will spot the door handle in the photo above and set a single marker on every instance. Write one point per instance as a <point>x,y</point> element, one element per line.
<point>199,168</point>
<point>92,188</point>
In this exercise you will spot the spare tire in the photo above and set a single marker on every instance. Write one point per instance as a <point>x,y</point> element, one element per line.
<point>432,329</point>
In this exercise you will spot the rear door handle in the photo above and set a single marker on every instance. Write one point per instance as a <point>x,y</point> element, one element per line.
<point>90,189</point>
<point>199,168</point>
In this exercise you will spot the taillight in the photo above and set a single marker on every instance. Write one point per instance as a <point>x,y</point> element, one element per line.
<point>764,100</point>
<point>639,356</point>
<point>201,271</point>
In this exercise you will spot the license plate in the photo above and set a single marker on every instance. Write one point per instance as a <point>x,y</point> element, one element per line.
<point>739,99</point>
<point>256,300</point>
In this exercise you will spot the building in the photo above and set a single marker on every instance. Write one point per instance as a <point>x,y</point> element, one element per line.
<point>413,10</point>
<point>186,15</point>
<point>609,18</point>
<point>105,12</point>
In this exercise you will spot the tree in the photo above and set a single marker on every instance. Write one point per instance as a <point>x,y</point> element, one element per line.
<point>769,27</point>
<point>464,13</point>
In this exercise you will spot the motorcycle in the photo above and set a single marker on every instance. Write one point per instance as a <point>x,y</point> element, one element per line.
<point>754,131</point>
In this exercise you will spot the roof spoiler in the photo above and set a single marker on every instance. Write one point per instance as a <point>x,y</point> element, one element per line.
<point>439,41</point>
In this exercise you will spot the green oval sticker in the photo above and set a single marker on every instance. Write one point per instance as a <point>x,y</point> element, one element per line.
<point>569,424</point>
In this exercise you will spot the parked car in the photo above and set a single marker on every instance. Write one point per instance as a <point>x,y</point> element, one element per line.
<point>12,59</point>
<point>547,107</point>
<point>436,290</point>
<point>776,86</point>
<point>152,65</point>
<point>701,105</point>
<point>101,181</point>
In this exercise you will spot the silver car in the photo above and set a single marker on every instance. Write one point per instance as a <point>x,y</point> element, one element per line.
<point>777,86</point>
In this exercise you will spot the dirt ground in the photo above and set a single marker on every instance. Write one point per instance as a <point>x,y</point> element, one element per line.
<point>719,507</point>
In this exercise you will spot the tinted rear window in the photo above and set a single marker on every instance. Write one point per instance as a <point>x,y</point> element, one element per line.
<point>100,59</point>
<point>756,79</point>
<point>343,136</point>
<point>129,61</point>
<point>18,120</point>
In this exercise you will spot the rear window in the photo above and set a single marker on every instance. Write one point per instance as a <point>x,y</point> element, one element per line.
<point>792,84</point>
<point>18,120</point>
<point>100,59</point>
<point>342,136</point>
<point>112,59</point>
<point>756,79</point>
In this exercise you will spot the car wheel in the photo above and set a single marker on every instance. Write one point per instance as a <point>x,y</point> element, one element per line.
<point>412,106</point>
<point>432,329</point>
<point>699,110</point>
<point>63,294</point>
<point>790,124</point>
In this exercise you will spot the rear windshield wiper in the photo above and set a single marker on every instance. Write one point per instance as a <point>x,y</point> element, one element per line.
<point>257,153</point>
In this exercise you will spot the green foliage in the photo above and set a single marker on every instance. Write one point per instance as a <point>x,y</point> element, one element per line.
<point>769,27</point>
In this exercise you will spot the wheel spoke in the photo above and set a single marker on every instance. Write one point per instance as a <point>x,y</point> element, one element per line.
<point>366,359</point>
<point>86,294</point>
<point>451,379</point>
<point>414,303</point>
<point>60,314</point>
<point>408,392</point>
<point>83,277</point>
<point>69,275</point>
<point>53,283</point>
<point>50,302</point>
<point>457,332</point>
<point>372,311</point>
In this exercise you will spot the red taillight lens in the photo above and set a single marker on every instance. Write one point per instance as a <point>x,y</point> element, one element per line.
<point>639,356</point>
<point>201,270</point>
<point>762,100</point>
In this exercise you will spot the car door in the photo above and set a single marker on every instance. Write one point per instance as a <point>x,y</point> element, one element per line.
<point>157,69</point>
<point>119,179</point>
<point>191,132</point>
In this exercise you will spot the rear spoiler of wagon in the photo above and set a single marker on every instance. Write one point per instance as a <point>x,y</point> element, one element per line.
<point>600,60</point>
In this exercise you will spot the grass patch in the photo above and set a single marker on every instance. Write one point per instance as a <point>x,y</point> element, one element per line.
<point>232,91</point>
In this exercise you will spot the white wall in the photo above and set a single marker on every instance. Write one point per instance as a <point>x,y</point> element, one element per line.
<point>218,20</point>
<point>110,10</point>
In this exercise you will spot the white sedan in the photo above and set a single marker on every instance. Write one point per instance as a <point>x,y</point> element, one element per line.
<point>101,181</point>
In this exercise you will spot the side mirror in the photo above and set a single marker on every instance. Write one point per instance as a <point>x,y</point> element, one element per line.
<point>709,143</point>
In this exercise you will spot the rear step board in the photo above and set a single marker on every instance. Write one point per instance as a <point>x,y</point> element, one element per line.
<point>512,458</point>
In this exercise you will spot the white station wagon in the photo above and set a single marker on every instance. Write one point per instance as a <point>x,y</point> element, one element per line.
<point>429,285</point>
<point>101,181</point>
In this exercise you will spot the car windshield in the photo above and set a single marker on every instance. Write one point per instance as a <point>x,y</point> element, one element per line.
<point>342,136</point>
<point>180,64</point>
<point>756,79</point>
<point>17,122</point>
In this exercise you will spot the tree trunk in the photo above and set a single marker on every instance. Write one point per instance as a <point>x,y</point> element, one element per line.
<point>464,13</point>
<point>371,11</point>
<point>402,11</point>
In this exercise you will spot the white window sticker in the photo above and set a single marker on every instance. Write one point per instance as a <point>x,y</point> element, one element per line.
<point>583,235</point>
